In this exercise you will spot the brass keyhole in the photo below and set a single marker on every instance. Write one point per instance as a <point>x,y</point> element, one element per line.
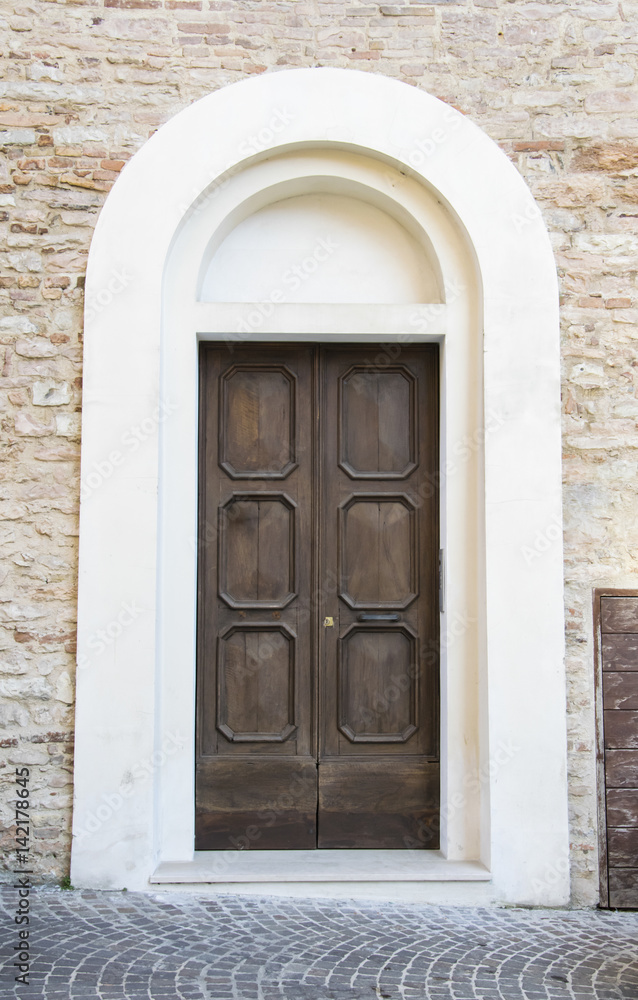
<point>328,622</point>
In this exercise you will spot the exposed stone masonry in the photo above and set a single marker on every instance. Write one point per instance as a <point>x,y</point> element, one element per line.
<point>83,85</point>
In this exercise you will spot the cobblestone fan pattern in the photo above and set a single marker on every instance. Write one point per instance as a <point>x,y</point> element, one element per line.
<point>83,83</point>
<point>134,946</point>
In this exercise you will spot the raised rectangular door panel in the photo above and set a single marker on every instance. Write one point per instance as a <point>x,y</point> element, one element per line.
<point>257,422</point>
<point>318,504</point>
<point>257,550</point>
<point>256,698</point>
<point>377,542</point>
<point>378,687</point>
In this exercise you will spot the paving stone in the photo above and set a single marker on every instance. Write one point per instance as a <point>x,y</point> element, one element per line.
<point>138,946</point>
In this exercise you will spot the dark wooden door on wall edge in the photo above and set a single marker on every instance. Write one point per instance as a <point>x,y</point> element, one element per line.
<point>616,637</point>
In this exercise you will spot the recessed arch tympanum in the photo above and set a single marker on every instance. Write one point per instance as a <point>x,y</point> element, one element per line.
<point>405,178</point>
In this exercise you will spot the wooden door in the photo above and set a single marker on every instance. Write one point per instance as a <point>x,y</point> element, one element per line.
<point>617,614</point>
<point>256,777</point>
<point>317,705</point>
<point>378,759</point>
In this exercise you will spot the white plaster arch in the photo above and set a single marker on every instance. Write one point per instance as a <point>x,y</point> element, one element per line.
<point>370,257</point>
<point>214,164</point>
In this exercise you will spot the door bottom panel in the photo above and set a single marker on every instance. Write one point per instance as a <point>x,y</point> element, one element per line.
<point>380,804</point>
<point>264,805</point>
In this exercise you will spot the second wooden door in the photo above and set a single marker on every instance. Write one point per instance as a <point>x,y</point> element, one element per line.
<point>317,704</point>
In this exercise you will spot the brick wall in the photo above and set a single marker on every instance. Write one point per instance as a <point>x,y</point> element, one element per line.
<point>83,85</point>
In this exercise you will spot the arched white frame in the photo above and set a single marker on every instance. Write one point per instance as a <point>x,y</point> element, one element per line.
<point>504,779</point>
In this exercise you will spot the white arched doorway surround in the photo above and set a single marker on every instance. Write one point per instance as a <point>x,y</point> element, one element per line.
<point>492,305</point>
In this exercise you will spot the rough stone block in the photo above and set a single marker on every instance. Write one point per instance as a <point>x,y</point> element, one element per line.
<point>51,393</point>
<point>28,426</point>
<point>17,137</point>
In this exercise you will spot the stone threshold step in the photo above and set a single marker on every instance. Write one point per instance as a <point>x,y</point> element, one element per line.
<point>318,866</point>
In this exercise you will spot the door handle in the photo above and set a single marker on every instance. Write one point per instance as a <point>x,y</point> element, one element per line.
<point>378,618</point>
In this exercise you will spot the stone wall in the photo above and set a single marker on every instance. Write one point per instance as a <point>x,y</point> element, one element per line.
<point>85,82</point>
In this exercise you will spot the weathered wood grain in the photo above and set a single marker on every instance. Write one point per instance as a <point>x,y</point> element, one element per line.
<point>368,803</point>
<point>620,690</point>
<point>620,652</point>
<point>619,614</point>
<point>621,768</point>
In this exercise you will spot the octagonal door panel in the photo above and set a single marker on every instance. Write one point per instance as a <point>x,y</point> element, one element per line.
<point>378,689</point>
<point>257,433</point>
<point>256,684</point>
<point>257,550</point>
<point>378,431</point>
<point>378,551</point>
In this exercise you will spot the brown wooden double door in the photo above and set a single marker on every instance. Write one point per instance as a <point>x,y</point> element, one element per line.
<point>317,703</point>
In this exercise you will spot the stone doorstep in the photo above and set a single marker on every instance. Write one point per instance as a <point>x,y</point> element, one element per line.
<point>318,866</point>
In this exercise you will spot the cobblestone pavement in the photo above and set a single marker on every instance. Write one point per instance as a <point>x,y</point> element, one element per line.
<point>115,945</point>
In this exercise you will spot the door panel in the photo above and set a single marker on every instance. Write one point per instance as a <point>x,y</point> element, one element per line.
<point>257,422</point>
<point>255,742</point>
<point>378,550</point>
<point>366,658</point>
<point>378,682</point>
<point>620,652</point>
<point>256,684</point>
<point>379,804</point>
<point>257,803</point>
<point>257,550</point>
<point>318,501</point>
<point>377,430</point>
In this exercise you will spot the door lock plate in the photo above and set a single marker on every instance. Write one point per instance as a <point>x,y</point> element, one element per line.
<point>328,622</point>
